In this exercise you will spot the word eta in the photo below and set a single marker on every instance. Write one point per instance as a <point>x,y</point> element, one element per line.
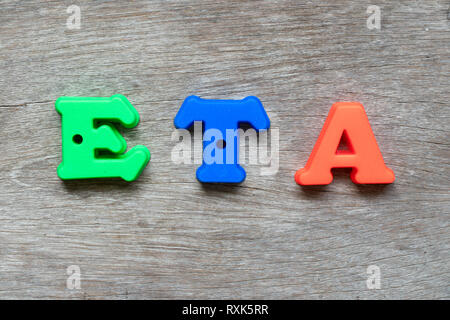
<point>93,148</point>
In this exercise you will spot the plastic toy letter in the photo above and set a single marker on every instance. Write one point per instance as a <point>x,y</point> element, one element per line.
<point>85,135</point>
<point>221,120</point>
<point>348,120</point>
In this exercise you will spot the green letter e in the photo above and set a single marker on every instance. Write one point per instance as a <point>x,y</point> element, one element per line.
<point>86,137</point>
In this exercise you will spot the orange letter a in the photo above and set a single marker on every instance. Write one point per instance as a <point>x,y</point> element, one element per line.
<point>348,120</point>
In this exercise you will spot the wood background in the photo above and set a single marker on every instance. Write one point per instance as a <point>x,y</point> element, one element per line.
<point>168,236</point>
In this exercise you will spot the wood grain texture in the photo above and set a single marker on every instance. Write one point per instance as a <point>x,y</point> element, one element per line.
<point>168,236</point>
